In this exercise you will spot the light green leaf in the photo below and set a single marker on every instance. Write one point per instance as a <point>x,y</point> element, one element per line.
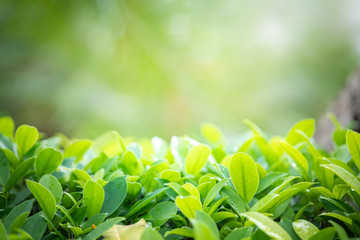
<point>82,176</point>
<point>178,189</point>
<point>340,190</point>
<point>3,233</point>
<point>353,144</point>
<point>188,205</point>
<point>53,185</point>
<point>240,233</point>
<point>267,225</point>
<point>234,200</point>
<point>304,229</point>
<point>93,197</point>
<point>345,176</point>
<point>7,126</point>
<point>300,161</point>
<point>307,126</point>
<point>170,175</point>
<point>214,191</point>
<point>19,221</point>
<point>25,138</point>
<point>196,159</point>
<point>115,193</point>
<point>211,132</point>
<point>192,190</point>
<point>244,175</point>
<point>111,143</point>
<point>10,155</point>
<point>219,216</point>
<point>133,166</point>
<point>44,197</point>
<point>184,231</point>
<point>47,161</point>
<point>204,227</point>
<point>77,149</point>
<point>151,234</point>
<point>19,172</point>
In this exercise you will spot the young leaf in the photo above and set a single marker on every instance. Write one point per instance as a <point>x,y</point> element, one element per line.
<point>211,132</point>
<point>244,175</point>
<point>151,234</point>
<point>192,190</point>
<point>299,159</point>
<point>307,126</point>
<point>196,159</point>
<point>7,126</point>
<point>353,144</point>
<point>184,231</point>
<point>240,233</point>
<point>44,197</point>
<point>3,233</point>
<point>133,166</point>
<point>304,229</point>
<point>115,193</point>
<point>234,200</point>
<point>188,205</point>
<point>77,149</point>
<point>25,138</point>
<point>47,161</point>
<point>93,197</point>
<point>345,176</point>
<point>267,225</point>
<point>53,185</point>
<point>214,191</point>
<point>204,227</point>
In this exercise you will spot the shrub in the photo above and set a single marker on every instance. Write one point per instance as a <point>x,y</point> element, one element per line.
<point>211,188</point>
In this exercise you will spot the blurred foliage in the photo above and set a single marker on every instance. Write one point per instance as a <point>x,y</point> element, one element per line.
<point>163,67</point>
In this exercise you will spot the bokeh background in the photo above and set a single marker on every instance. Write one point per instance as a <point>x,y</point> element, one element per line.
<point>162,68</point>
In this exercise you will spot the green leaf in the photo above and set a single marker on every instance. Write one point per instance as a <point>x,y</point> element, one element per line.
<point>192,190</point>
<point>267,225</point>
<point>145,201</point>
<point>19,172</point>
<point>99,230</point>
<point>220,216</point>
<point>111,143</point>
<point>93,197</point>
<point>132,231</point>
<point>132,165</point>
<point>77,149</point>
<point>234,200</point>
<point>7,126</point>
<point>300,161</point>
<point>338,216</point>
<point>304,229</point>
<point>211,132</point>
<point>25,138</point>
<point>3,233</point>
<point>162,212</point>
<point>353,144</point>
<point>244,175</point>
<point>340,231</point>
<point>23,207</point>
<point>178,189</point>
<point>307,126</point>
<point>96,220</point>
<point>196,159</point>
<point>19,221</point>
<point>188,205</point>
<point>214,191</point>
<point>204,227</point>
<point>44,197</point>
<point>151,234</point>
<point>324,234</point>
<point>47,161</point>
<point>184,231</point>
<point>340,190</point>
<point>345,176</point>
<point>240,233</point>
<point>115,193</point>
<point>53,185</point>
<point>4,169</point>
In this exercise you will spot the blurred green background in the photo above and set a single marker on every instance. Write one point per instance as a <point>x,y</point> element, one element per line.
<point>162,68</point>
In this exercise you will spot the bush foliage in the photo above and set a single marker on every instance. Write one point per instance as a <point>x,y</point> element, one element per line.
<point>203,187</point>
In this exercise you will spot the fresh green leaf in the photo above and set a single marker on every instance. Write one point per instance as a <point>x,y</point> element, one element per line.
<point>25,138</point>
<point>353,144</point>
<point>188,205</point>
<point>47,161</point>
<point>7,126</point>
<point>53,185</point>
<point>151,234</point>
<point>44,197</point>
<point>19,172</point>
<point>305,229</point>
<point>244,175</point>
<point>196,159</point>
<point>93,197</point>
